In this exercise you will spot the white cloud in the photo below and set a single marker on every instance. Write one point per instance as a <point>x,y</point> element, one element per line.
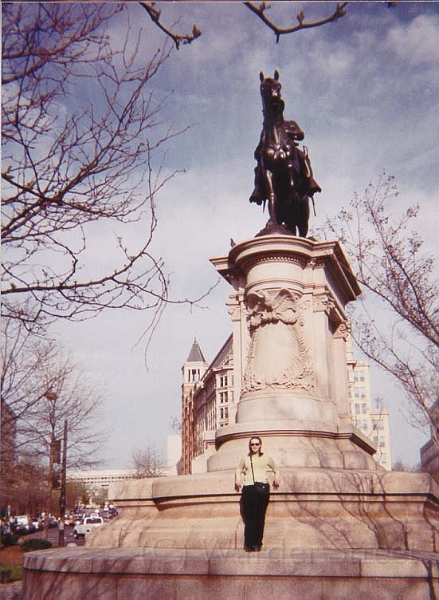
<point>416,42</point>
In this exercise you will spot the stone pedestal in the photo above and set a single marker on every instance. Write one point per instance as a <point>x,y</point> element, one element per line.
<point>337,527</point>
<point>290,332</point>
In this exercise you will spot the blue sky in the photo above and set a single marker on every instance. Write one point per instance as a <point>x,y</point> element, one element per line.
<point>364,90</point>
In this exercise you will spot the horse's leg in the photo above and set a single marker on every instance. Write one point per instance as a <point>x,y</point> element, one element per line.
<point>291,218</point>
<point>271,196</point>
<point>257,192</point>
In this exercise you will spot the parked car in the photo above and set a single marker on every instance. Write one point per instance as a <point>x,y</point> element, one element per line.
<point>19,528</point>
<point>86,525</point>
<point>53,521</point>
<point>37,524</point>
<point>22,525</point>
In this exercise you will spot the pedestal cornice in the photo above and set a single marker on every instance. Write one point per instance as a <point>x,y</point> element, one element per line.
<point>277,248</point>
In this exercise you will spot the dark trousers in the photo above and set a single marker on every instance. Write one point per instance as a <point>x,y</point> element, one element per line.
<point>253,509</point>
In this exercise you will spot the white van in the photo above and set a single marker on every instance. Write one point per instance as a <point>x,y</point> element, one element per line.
<point>86,525</point>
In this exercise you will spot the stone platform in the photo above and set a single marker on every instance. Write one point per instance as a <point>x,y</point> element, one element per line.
<point>314,509</point>
<point>160,574</point>
<point>329,534</point>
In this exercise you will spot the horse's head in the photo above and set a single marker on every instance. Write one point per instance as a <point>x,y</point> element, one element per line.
<point>271,92</point>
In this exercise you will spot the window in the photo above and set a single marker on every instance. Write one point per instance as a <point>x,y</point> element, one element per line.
<point>224,397</point>
<point>223,381</point>
<point>194,375</point>
<point>224,413</point>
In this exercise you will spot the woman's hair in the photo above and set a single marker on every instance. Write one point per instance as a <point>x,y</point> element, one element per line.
<point>255,437</point>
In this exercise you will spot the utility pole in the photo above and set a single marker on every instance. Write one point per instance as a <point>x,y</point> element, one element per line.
<point>53,458</point>
<point>62,496</point>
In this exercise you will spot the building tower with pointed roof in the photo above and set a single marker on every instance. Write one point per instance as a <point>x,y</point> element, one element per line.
<point>192,373</point>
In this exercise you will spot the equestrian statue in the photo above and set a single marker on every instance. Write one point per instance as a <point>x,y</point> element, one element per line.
<point>283,175</point>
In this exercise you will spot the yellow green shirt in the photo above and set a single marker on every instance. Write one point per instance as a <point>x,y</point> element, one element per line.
<point>261,464</point>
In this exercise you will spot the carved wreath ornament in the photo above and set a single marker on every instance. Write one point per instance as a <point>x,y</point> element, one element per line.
<point>278,353</point>
<point>271,307</point>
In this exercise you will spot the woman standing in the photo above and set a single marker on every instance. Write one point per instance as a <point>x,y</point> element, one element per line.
<point>255,492</point>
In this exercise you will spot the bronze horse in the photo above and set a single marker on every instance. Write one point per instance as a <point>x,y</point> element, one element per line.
<point>283,175</point>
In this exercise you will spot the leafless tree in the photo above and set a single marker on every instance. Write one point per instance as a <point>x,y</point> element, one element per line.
<point>83,145</point>
<point>69,397</point>
<point>400,465</point>
<point>175,425</point>
<point>26,375</point>
<point>41,390</point>
<point>76,494</point>
<point>148,462</point>
<point>25,490</point>
<point>400,279</point>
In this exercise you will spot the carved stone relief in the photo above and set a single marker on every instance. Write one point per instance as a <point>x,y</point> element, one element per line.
<point>279,355</point>
<point>343,331</point>
<point>324,303</point>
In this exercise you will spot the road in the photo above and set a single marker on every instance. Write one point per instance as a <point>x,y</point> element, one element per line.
<point>52,536</point>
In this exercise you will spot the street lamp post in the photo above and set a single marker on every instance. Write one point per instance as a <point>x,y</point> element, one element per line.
<point>55,460</point>
<point>62,496</point>
<point>52,398</point>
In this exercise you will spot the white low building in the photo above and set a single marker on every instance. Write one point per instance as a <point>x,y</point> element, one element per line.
<point>98,479</point>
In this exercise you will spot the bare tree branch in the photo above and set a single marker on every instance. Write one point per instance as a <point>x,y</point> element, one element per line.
<point>178,39</point>
<point>260,12</point>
